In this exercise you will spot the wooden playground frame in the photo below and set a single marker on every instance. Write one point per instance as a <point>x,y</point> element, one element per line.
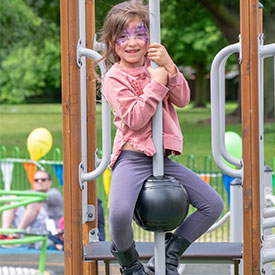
<point>75,232</point>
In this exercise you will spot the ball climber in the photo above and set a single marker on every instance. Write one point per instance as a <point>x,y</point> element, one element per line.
<point>162,204</point>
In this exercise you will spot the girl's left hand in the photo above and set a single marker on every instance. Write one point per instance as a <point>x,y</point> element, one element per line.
<point>158,54</point>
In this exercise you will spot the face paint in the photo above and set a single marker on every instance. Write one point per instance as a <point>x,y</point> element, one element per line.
<point>136,32</point>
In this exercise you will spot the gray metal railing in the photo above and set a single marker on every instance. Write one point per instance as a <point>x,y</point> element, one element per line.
<point>220,153</point>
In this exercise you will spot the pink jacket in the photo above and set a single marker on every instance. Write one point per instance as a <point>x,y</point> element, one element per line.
<point>134,96</point>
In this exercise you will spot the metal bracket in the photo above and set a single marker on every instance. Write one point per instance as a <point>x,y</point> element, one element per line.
<point>240,51</point>
<point>93,235</point>
<point>90,213</point>
<point>80,171</point>
<point>83,251</point>
<point>98,46</point>
<point>78,55</point>
<point>236,182</point>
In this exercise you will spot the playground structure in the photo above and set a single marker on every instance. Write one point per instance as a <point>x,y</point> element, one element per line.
<point>20,198</point>
<point>254,256</point>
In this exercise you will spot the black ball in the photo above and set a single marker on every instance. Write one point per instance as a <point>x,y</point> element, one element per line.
<point>162,204</point>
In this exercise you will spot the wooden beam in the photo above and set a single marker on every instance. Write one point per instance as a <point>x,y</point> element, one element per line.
<point>249,19</point>
<point>71,130</point>
<point>73,263</point>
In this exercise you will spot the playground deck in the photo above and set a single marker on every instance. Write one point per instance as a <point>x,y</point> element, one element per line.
<point>29,258</point>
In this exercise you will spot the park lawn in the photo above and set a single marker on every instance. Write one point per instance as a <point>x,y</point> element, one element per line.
<point>17,121</point>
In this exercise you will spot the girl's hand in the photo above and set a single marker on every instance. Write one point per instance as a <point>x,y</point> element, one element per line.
<point>158,53</point>
<point>159,74</point>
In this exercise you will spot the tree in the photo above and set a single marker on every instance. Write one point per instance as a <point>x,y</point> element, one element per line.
<point>226,15</point>
<point>193,41</point>
<point>29,53</point>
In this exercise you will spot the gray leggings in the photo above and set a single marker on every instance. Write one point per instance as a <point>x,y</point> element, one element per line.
<point>128,175</point>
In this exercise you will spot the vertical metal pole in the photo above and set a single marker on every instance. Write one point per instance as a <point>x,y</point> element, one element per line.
<point>83,104</point>
<point>87,228</point>
<point>154,12</point>
<point>236,215</point>
<point>267,189</point>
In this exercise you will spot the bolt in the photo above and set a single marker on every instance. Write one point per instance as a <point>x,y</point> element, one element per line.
<point>90,215</point>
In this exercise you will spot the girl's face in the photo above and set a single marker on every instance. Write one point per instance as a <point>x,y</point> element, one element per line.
<point>131,44</point>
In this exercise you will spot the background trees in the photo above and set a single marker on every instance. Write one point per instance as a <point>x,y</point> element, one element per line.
<point>226,16</point>
<point>29,52</point>
<point>192,31</point>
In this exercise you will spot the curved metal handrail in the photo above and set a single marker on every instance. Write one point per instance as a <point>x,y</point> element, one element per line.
<point>217,113</point>
<point>106,124</point>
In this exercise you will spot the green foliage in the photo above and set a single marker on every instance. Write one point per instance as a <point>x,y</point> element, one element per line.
<point>29,53</point>
<point>189,32</point>
<point>18,22</point>
<point>27,71</point>
<point>48,10</point>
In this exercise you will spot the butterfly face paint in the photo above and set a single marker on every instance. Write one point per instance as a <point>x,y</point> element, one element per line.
<point>136,32</point>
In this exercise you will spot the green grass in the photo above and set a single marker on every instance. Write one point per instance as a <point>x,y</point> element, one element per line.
<point>17,121</point>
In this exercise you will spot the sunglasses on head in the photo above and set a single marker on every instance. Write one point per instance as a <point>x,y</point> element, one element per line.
<point>40,179</point>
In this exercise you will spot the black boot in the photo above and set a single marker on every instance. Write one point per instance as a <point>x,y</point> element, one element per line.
<point>130,265</point>
<point>175,246</point>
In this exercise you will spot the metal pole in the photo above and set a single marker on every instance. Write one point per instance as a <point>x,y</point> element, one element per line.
<point>154,12</point>
<point>236,217</point>
<point>83,105</point>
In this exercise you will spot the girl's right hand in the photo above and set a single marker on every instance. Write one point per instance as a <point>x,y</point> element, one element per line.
<point>159,74</point>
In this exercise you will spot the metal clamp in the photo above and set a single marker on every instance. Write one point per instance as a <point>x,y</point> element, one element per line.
<point>93,235</point>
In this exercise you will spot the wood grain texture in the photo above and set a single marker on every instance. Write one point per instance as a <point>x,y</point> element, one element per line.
<point>249,19</point>
<point>73,253</point>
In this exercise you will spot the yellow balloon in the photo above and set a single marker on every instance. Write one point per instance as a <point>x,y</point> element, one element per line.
<point>39,143</point>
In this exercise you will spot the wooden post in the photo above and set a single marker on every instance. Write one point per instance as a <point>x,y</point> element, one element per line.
<point>71,140</point>
<point>249,19</point>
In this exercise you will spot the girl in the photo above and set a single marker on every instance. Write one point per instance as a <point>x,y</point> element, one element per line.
<point>133,90</point>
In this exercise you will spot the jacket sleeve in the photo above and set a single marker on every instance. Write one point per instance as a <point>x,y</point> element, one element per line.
<point>179,92</point>
<point>135,111</point>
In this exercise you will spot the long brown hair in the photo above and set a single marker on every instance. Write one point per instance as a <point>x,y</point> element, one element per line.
<point>115,23</point>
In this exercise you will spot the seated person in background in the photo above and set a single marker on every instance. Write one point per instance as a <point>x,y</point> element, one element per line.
<point>35,215</point>
<point>57,240</point>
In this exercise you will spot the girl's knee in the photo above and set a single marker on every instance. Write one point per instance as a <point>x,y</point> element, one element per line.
<point>217,207</point>
<point>120,218</point>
